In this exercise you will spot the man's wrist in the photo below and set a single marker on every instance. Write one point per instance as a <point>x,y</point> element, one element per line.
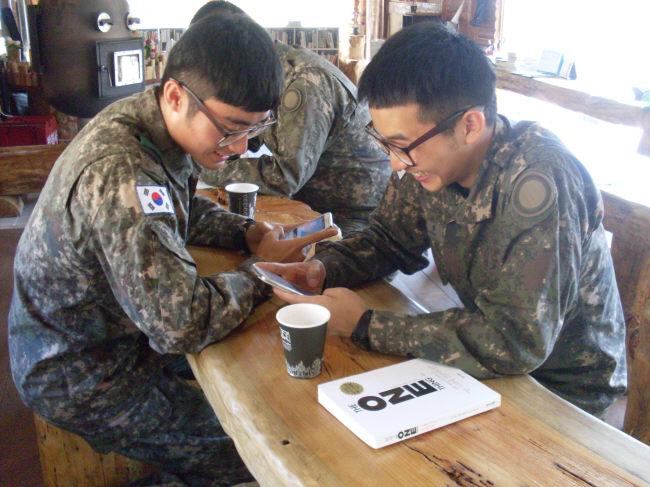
<point>246,225</point>
<point>361,333</point>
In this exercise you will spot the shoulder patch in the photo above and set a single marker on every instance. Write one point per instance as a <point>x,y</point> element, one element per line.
<point>292,100</point>
<point>154,200</point>
<point>533,194</point>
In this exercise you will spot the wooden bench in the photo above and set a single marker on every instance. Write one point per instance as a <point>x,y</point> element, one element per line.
<point>23,170</point>
<point>68,460</point>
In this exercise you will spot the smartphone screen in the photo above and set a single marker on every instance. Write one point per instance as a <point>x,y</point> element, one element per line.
<point>273,279</point>
<point>307,228</point>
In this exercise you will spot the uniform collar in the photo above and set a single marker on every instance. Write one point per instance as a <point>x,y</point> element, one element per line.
<point>150,122</point>
<point>478,206</point>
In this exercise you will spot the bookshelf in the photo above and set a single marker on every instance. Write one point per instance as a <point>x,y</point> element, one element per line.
<point>322,40</point>
<point>157,43</point>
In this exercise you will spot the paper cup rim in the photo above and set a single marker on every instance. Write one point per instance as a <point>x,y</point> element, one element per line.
<point>303,315</point>
<point>242,188</point>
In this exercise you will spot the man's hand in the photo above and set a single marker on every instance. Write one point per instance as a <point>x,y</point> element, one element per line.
<point>345,306</point>
<point>266,241</point>
<point>309,275</point>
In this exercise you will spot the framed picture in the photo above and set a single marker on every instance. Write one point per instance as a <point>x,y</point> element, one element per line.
<point>128,67</point>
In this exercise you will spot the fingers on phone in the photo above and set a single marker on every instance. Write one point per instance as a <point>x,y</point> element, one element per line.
<point>318,236</point>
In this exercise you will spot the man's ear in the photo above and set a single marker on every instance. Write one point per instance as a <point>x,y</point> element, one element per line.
<point>473,125</point>
<point>172,96</point>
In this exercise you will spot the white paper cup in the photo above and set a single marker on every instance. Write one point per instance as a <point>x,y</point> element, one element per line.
<point>303,328</point>
<point>242,198</point>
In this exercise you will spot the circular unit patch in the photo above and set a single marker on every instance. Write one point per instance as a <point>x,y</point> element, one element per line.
<point>533,195</point>
<point>292,100</point>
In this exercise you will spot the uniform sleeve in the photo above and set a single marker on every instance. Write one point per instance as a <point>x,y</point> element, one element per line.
<point>519,317</point>
<point>297,141</point>
<point>213,226</point>
<point>151,273</point>
<point>395,239</point>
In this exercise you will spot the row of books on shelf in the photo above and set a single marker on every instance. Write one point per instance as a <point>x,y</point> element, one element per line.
<point>161,40</point>
<point>309,38</point>
<point>322,40</point>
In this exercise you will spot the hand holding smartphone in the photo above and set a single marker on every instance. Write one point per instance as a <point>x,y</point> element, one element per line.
<point>316,225</point>
<point>275,280</point>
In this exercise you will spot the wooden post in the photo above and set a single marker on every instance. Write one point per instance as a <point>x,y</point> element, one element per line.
<point>66,459</point>
<point>630,225</point>
<point>637,414</point>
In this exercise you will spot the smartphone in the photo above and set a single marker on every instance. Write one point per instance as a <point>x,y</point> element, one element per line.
<point>274,280</point>
<point>316,225</point>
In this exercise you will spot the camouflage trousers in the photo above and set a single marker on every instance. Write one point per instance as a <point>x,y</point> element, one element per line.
<point>174,428</point>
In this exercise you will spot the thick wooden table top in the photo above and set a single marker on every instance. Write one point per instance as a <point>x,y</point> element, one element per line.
<point>286,438</point>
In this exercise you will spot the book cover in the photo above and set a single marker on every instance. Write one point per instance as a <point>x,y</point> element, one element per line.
<point>390,404</point>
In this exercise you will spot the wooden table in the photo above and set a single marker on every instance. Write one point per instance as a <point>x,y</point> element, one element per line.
<point>286,438</point>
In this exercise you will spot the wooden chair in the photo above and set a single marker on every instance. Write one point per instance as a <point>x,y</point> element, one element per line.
<point>67,459</point>
<point>630,225</point>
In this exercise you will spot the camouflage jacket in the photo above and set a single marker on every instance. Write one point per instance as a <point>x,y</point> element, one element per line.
<point>104,284</point>
<point>321,152</point>
<point>527,254</point>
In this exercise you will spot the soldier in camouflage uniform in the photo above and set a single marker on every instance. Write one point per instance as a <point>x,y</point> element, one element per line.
<point>514,222</point>
<point>106,294</point>
<point>321,153</point>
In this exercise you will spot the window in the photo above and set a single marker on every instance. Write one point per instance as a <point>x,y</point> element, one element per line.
<point>607,39</point>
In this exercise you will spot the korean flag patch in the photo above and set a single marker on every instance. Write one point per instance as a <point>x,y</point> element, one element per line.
<point>154,199</point>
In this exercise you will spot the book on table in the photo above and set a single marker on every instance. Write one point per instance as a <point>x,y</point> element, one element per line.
<point>390,404</point>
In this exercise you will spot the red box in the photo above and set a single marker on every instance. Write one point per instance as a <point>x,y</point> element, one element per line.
<point>28,130</point>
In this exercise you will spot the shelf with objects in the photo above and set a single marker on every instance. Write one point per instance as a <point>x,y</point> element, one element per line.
<point>157,44</point>
<point>322,40</point>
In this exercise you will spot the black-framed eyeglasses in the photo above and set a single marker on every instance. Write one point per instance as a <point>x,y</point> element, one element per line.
<point>404,153</point>
<point>229,137</point>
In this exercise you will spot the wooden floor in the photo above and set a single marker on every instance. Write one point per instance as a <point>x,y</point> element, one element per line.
<point>19,462</point>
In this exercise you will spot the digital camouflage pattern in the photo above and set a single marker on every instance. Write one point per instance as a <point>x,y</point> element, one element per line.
<point>105,293</point>
<point>321,152</point>
<point>526,252</point>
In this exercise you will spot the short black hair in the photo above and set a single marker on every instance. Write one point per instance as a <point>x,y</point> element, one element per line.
<point>216,7</point>
<point>231,58</point>
<point>437,69</point>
